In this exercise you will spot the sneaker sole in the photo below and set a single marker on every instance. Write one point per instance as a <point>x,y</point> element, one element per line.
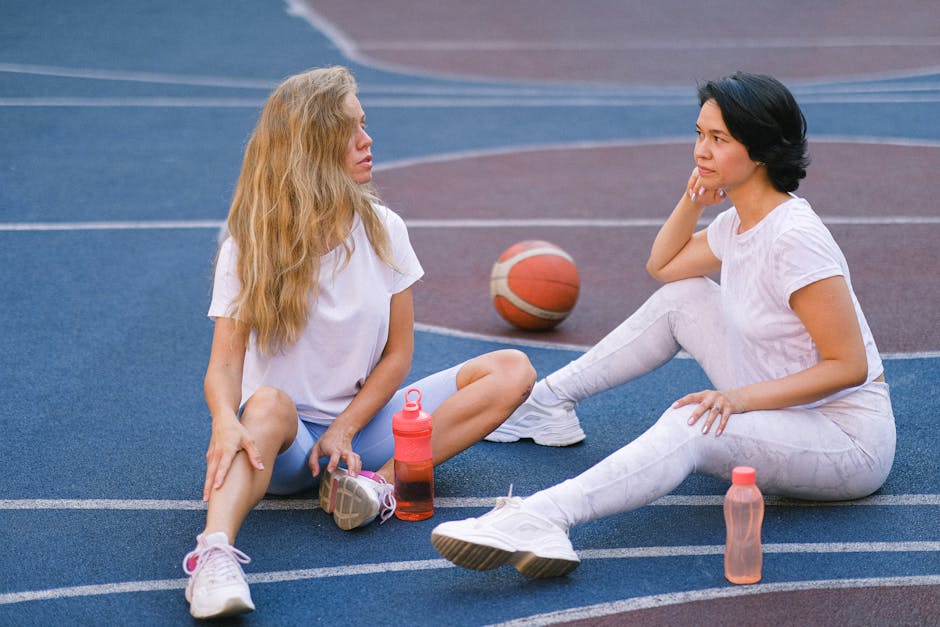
<point>230,607</point>
<point>507,434</point>
<point>482,557</point>
<point>351,504</point>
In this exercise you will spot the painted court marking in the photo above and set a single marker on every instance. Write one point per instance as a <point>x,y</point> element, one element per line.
<point>461,95</point>
<point>386,567</point>
<point>671,500</point>
<point>601,223</point>
<point>517,341</point>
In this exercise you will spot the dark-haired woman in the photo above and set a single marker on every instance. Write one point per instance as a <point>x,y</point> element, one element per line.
<point>799,391</point>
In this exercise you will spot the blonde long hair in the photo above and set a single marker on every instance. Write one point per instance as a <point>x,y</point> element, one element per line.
<point>295,201</point>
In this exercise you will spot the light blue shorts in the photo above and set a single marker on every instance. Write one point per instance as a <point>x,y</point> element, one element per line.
<point>374,443</point>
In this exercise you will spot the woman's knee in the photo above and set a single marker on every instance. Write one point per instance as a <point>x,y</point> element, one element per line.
<point>270,409</point>
<point>676,420</point>
<point>694,289</point>
<point>672,432</point>
<point>510,372</point>
<point>514,367</point>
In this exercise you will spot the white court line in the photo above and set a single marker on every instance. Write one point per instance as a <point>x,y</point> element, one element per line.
<point>595,91</point>
<point>456,223</point>
<point>137,77</point>
<point>516,341</point>
<point>255,578</point>
<point>410,102</point>
<point>672,500</point>
<point>366,89</point>
<point>112,226</point>
<point>797,547</point>
<point>509,45</point>
<point>125,101</point>
<point>709,594</point>
<point>641,222</point>
<point>410,566</point>
<point>413,102</point>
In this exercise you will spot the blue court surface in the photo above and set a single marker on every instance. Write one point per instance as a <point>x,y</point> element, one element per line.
<point>123,125</point>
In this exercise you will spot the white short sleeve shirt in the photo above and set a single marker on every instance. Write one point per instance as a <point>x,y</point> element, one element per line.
<point>760,269</point>
<point>347,330</point>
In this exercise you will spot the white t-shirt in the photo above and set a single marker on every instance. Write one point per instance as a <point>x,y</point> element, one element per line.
<point>346,332</point>
<point>760,269</point>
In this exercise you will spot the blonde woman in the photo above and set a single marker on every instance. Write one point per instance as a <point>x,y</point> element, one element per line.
<point>314,337</point>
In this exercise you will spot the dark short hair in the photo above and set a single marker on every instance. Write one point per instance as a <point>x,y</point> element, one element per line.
<point>761,113</point>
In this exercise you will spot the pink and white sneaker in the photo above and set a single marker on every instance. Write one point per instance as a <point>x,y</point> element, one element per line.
<point>356,501</point>
<point>217,585</point>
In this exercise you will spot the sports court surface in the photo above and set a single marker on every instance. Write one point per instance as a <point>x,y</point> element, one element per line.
<point>121,131</point>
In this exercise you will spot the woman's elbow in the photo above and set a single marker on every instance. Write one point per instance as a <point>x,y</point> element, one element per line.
<point>859,374</point>
<point>655,271</point>
<point>855,371</point>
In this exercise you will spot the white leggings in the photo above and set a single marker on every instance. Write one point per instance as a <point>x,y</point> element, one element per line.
<point>841,450</point>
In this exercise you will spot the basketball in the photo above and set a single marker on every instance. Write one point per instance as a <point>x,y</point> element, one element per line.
<point>534,285</point>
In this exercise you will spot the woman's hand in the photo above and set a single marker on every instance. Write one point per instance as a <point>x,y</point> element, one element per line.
<point>714,405</point>
<point>679,250</point>
<point>697,192</point>
<point>228,438</point>
<point>336,444</point>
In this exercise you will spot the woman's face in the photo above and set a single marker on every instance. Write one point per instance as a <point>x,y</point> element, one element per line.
<point>722,161</point>
<point>359,149</point>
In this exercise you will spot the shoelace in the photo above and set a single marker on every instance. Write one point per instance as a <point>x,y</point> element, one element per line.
<point>386,499</point>
<point>503,501</point>
<point>219,561</point>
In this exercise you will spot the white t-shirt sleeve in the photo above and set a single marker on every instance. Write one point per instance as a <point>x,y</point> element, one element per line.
<point>803,256</point>
<point>226,284</point>
<point>409,267</point>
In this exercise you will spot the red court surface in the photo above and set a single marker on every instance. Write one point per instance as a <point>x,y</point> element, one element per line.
<point>666,42</point>
<point>894,267</point>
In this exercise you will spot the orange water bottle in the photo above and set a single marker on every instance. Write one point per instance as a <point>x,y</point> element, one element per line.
<point>744,514</point>
<point>414,466</point>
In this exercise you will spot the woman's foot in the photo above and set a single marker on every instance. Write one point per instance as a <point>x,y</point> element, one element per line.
<point>509,534</point>
<point>356,501</point>
<point>217,585</point>
<point>544,418</point>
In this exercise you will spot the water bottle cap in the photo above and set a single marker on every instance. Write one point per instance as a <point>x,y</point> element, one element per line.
<point>743,475</point>
<point>412,406</point>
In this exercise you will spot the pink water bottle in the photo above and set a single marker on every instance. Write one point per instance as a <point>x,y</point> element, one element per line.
<point>744,514</point>
<point>414,466</point>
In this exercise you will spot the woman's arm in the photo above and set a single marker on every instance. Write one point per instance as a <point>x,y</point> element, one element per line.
<point>223,395</point>
<point>379,387</point>
<point>826,310</point>
<point>679,252</point>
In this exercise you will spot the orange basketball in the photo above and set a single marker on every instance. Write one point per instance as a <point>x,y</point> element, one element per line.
<point>534,285</point>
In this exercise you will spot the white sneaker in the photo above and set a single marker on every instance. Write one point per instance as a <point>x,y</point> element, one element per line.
<point>356,501</point>
<point>547,424</point>
<point>217,585</point>
<point>509,534</point>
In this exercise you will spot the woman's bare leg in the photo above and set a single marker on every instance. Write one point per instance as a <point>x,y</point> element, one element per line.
<point>271,417</point>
